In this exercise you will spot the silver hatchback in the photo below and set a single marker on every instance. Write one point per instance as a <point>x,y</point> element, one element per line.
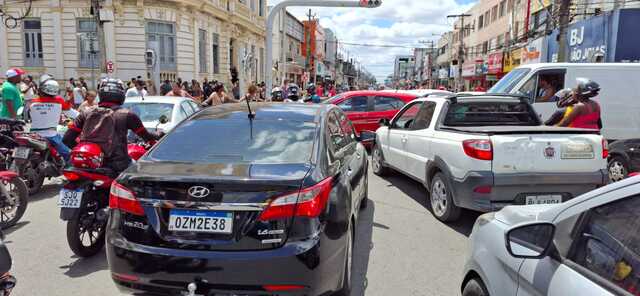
<point>589,245</point>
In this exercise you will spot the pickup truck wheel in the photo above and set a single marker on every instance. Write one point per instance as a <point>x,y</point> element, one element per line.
<point>618,169</point>
<point>441,198</point>
<point>377,161</point>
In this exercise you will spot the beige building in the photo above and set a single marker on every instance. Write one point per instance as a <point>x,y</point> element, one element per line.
<point>195,39</point>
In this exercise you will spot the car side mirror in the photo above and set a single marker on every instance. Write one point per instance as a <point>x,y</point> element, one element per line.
<point>163,119</point>
<point>367,137</point>
<point>530,241</point>
<point>384,122</point>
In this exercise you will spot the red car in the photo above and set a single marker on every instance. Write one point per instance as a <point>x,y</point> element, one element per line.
<point>366,108</point>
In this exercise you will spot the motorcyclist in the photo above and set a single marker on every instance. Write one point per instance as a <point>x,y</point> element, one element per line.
<point>277,94</point>
<point>45,114</point>
<point>112,95</point>
<point>293,93</point>
<point>311,94</point>
<point>576,109</point>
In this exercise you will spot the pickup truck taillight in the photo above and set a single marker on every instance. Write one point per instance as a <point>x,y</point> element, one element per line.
<point>605,149</point>
<point>478,149</point>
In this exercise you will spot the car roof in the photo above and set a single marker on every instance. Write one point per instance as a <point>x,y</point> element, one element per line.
<point>156,99</point>
<point>473,98</point>
<point>377,92</point>
<point>579,65</point>
<point>265,111</point>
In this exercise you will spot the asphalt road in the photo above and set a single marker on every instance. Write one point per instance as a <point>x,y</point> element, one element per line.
<point>400,249</point>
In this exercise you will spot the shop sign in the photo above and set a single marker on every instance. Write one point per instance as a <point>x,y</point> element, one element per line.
<point>586,40</point>
<point>443,73</point>
<point>453,71</point>
<point>512,60</point>
<point>532,53</point>
<point>494,63</point>
<point>481,67</point>
<point>469,69</point>
<point>536,5</point>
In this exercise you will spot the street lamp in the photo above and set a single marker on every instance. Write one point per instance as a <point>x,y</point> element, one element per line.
<point>308,3</point>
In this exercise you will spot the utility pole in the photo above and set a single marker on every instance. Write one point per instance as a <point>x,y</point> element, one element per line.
<point>562,30</point>
<point>461,48</point>
<point>310,62</point>
<point>95,6</point>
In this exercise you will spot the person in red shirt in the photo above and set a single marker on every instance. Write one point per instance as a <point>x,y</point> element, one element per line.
<point>320,90</point>
<point>332,90</point>
<point>45,114</point>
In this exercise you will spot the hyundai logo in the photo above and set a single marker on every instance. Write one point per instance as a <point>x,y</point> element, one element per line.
<point>198,191</point>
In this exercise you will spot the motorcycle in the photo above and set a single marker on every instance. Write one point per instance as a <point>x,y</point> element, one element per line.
<point>35,159</point>
<point>84,198</point>
<point>7,140</point>
<point>13,198</point>
<point>7,281</point>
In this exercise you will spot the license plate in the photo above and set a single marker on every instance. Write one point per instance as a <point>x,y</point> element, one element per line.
<point>21,152</point>
<point>543,199</point>
<point>577,150</point>
<point>200,221</point>
<point>70,198</point>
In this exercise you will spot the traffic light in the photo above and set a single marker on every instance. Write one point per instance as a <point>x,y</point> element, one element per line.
<point>370,3</point>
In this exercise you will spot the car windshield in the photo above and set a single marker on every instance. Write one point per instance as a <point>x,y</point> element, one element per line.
<point>332,100</point>
<point>149,112</point>
<point>238,141</point>
<point>490,113</point>
<point>509,81</point>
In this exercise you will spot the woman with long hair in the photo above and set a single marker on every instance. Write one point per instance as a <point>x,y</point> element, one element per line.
<point>585,113</point>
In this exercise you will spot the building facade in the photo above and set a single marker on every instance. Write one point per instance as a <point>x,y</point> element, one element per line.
<point>330,54</point>
<point>288,37</point>
<point>192,39</point>
<point>403,68</point>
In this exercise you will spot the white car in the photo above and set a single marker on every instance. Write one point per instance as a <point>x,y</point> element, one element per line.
<point>589,245</point>
<point>487,152</point>
<point>421,92</point>
<point>149,109</point>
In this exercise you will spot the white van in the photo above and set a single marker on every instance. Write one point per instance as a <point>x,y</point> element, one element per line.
<point>619,96</point>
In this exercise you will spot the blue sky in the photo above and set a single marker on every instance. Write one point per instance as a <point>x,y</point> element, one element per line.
<point>401,23</point>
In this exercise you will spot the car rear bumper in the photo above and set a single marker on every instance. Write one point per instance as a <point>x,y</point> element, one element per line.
<point>512,189</point>
<point>146,270</point>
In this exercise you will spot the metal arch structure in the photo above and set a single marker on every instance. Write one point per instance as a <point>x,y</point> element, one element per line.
<point>307,3</point>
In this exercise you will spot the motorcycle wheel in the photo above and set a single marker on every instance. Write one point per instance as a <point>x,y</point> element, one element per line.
<point>15,203</point>
<point>31,176</point>
<point>85,232</point>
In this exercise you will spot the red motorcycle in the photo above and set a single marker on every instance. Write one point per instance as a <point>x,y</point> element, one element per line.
<point>84,199</point>
<point>35,159</point>
<point>13,198</point>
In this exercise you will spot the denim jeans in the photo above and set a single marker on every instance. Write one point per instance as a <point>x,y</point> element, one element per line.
<point>63,150</point>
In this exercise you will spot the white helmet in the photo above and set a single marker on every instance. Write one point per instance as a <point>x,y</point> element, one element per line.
<point>49,87</point>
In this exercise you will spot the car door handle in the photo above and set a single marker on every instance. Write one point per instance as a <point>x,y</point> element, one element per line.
<point>349,172</point>
<point>358,155</point>
<point>404,139</point>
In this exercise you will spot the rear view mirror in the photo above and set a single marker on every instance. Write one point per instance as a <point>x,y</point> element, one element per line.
<point>384,122</point>
<point>531,241</point>
<point>367,137</point>
<point>163,119</point>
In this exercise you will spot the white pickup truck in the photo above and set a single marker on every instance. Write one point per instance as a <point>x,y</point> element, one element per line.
<point>486,152</point>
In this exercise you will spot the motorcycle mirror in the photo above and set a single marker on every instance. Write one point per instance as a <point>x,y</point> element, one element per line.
<point>163,119</point>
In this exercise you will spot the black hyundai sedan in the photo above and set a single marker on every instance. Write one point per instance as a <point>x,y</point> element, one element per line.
<point>232,204</point>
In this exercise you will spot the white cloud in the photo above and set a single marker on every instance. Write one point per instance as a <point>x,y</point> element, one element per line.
<point>396,22</point>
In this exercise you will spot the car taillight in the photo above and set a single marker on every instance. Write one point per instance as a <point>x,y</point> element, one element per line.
<point>479,149</point>
<point>308,202</point>
<point>605,149</point>
<point>277,288</point>
<point>123,199</point>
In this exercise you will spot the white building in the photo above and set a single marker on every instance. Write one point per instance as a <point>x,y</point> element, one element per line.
<point>288,35</point>
<point>403,67</point>
<point>196,39</point>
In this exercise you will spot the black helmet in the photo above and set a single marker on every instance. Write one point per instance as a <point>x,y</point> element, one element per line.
<point>587,87</point>
<point>112,91</point>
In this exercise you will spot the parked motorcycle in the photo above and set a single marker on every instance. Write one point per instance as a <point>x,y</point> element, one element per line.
<point>35,159</point>
<point>84,199</point>
<point>7,281</point>
<point>13,199</point>
<point>7,140</point>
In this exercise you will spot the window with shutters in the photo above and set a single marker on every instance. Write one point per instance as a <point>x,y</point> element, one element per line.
<point>215,48</point>
<point>89,48</point>
<point>202,50</point>
<point>163,35</point>
<point>32,43</point>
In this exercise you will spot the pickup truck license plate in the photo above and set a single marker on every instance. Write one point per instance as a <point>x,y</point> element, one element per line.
<point>200,221</point>
<point>70,198</point>
<point>21,152</point>
<point>543,199</point>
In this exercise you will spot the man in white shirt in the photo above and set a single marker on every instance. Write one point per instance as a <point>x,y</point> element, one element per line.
<point>78,94</point>
<point>137,90</point>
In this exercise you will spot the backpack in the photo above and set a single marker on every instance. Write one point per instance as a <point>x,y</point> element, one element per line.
<point>100,128</point>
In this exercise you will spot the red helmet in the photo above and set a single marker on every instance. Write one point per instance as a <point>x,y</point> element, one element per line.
<point>87,155</point>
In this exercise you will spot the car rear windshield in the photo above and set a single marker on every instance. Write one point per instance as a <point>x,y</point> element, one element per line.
<point>490,113</point>
<point>149,112</point>
<point>238,141</point>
